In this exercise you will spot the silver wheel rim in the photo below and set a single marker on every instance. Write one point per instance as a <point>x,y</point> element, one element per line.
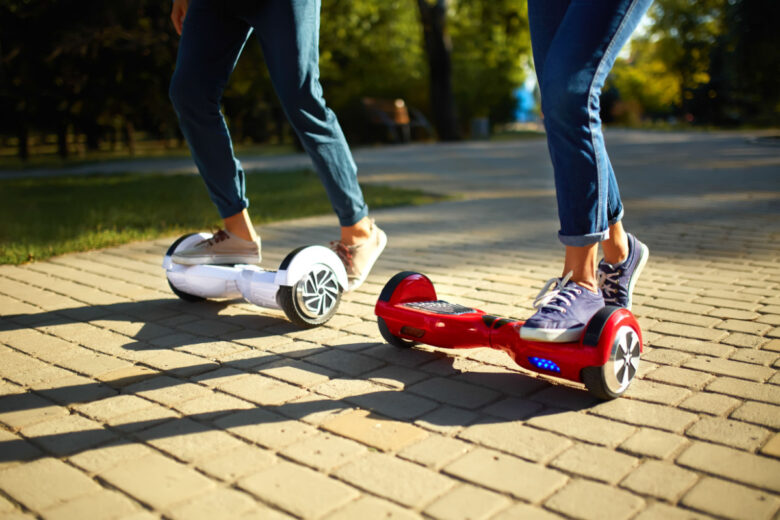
<point>623,361</point>
<point>317,293</point>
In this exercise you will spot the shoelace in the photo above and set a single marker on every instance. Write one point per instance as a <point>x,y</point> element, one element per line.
<point>610,286</point>
<point>217,237</point>
<point>343,252</point>
<point>548,298</point>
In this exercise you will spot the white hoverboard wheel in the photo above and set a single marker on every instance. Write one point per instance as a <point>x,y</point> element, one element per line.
<point>187,297</point>
<point>313,299</point>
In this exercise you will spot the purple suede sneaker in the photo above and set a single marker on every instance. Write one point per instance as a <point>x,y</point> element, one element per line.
<point>617,281</point>
<point>563,312</point>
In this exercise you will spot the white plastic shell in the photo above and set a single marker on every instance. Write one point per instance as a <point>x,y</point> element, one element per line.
<point>300,264</point>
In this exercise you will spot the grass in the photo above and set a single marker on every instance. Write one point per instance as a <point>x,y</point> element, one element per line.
<point>44,217</point>
<point>45,156</point>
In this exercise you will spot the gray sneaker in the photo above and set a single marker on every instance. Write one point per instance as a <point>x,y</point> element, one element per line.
<point>358,260</point>
<point>617,281</point>
<point>222,248</point>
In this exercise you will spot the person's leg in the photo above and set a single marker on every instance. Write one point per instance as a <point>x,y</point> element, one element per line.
<point>211,42</point>
<point>576,50</point>
<point>288,31</point>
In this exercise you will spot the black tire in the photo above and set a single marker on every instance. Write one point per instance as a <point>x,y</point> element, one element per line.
<point>613,378</point>
<point>391,338</point>
<point>313,300</point>
<point>187,297</point>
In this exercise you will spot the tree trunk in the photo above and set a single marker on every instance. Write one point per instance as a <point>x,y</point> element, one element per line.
<point>130,137</point>
<point>62,140</point>
<point>438,47</point>
<point>24,142</point>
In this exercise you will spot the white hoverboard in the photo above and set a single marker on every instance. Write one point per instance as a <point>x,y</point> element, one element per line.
<point>307,286</point>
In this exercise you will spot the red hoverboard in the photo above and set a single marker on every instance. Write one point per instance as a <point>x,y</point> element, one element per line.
<point>605,358</point>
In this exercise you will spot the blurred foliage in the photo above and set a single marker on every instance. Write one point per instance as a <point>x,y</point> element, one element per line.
<point>101,70</point>
<point>712,62</point>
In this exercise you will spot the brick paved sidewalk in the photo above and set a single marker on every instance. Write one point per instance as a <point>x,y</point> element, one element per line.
<point>121,401</point>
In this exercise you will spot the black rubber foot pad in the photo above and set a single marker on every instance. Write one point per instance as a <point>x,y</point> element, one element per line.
<point>440,307</point>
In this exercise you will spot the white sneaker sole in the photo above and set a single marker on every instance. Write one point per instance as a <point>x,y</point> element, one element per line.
<point>216,259</point>
<point>552,335</point>
<point>645,253</point>
<point>359,281</point>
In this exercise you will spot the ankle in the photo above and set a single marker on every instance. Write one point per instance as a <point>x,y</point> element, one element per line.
<point>356,233</point>
<point>588,283</point>
<point>241,226</point>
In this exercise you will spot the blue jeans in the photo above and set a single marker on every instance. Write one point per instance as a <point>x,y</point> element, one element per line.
<point>213,36</point>
<point>575,43</point>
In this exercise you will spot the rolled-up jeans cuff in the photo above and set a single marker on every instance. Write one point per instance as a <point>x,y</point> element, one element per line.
<point>617,219</point>
<point>355,218</point>
<point>583,240</point>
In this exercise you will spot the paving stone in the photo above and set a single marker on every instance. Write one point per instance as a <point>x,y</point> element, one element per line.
<point>297,372</point>
<point>689,331</point>
<point>375,431</point>
<point>681,377</point>
<point>262,390</point>
<point>19,410</point>
<point>595,462</point>
<point>281,485</point>
<point>324,452</point>
<point>661,480</point>
<point>66,435</point>
<point>157,480</point>
<point>446,420</point>
<point>694,346</point>
<point>507,474</point>
<point>713,404</point>
<point>217,503</point>
<point>104,505</point>
<point>772,446</point>
<point>212,406</point>
<point>265,428</point>
<point>167,390</point>
<point>187,440</point>
<point>467,502</point>
<point>588,500</point>
<point>370,507</point>
<point>517,439</point>
<point>660,511</point>
<point>395,479</point>
<point>100,459</point>
<point>435,451</point>
<point>744,341</point>
<point>584,427</point>
<point>55,483</point>
<point>664,356</point>
<point>730,368</point>
<point>230,465</point>
<point>731,500</point>
<point>646,414</point>
<point>454,392</point>
<point>748,327</point>
<point>732,464</point>
<point>393,403</point>
<point>656,392</point>
<point>345,362</point>
<point>513,409</point>
<point>15,450</point>
<point>746,390</point>
<point>731,433</point>
<point>756,357</point>
<point>126,376</point>
<point>654,443</point>
<point>758,413</point>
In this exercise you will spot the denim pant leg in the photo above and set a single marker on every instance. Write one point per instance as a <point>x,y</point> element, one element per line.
<point>575,43</point>
<point>288,31</point>
<point>210,44</point>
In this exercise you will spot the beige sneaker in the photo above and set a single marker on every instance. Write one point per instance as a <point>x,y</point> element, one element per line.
<point>222,248</point>
<point>359,259</point>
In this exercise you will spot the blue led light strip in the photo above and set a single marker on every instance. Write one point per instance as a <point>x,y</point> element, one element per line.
<point>544,364</point>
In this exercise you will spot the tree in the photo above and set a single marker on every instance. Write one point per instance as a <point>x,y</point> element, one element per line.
<point>438,47</point>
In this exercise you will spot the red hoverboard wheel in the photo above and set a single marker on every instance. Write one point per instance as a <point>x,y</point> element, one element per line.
<point>616,333</point>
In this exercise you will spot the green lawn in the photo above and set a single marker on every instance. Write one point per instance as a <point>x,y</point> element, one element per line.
<point>43,217</point>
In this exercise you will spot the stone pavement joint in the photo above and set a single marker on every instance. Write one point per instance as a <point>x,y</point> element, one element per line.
<point>118,400</point>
